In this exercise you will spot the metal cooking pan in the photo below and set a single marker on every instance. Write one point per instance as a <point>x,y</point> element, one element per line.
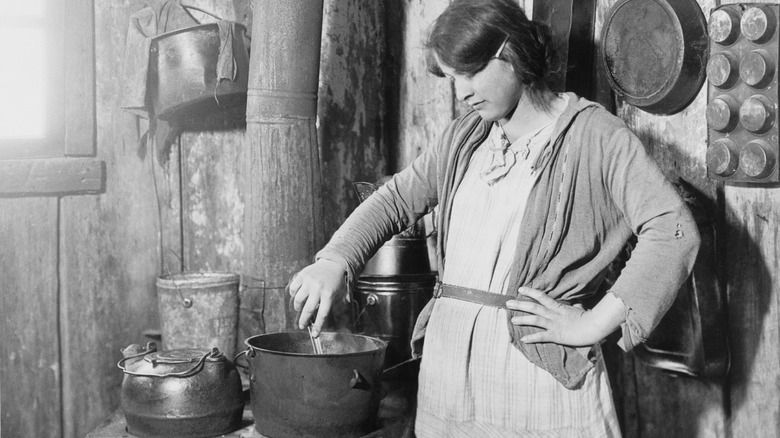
<point>654,53</point>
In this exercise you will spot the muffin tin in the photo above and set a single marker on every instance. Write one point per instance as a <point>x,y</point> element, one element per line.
<point>742,117</point>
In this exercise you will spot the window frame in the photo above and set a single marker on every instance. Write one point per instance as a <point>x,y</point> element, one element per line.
<point>57,164</point>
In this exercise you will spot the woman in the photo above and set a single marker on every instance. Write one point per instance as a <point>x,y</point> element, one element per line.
<point>537,194</point>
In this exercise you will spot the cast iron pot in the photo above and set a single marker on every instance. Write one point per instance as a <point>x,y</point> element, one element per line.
<point>296,393</point>
<point>180,393</point>
<point>655,52</point>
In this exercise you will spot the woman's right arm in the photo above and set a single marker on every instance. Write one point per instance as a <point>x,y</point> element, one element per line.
<point>395,206</point>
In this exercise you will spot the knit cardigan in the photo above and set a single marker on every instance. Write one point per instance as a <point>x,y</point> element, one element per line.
<point>597,187</point>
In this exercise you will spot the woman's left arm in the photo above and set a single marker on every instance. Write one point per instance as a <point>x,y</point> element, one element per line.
<point>565,324</point>
<point>667,243</point>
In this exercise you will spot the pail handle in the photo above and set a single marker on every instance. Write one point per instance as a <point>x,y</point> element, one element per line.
<point>201,10</point>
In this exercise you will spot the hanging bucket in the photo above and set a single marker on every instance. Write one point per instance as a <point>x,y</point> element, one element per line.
<point>183,79</point>
<point>199,310</point>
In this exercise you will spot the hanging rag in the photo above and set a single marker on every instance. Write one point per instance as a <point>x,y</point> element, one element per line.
<point>226,63</point>
<point>156,18</point>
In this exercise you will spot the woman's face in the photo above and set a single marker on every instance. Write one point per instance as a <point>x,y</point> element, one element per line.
<point>493,91</point>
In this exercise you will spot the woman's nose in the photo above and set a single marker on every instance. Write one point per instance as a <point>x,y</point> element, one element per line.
<point>463,89</point>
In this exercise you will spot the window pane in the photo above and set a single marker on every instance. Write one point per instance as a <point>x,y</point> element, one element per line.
<point>22,84</point>
<point>25,8</point>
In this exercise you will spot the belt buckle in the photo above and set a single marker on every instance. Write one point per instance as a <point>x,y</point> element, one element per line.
<point>437,290</point>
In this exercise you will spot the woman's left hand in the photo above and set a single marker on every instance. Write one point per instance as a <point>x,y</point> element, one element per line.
<point>560,323</point>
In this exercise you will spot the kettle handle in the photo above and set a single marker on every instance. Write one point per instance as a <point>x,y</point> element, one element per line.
<point>189,372</point>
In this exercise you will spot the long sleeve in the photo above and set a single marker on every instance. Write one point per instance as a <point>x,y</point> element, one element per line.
<point>667,236</point>
<point>396,205</point>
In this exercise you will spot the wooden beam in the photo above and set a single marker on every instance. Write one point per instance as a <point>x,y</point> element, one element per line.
<point>51,176</point>
<point>29,345</point>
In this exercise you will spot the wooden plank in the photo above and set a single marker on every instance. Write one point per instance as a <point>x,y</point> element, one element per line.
<point>351,107</point>
<point>110,245</point>
<point>571,25</point>
<point>754,306</point>
<point>426,103</point>
<point>51,176</point>
<point>754,303</point>
<point>354,74</point>
<point>212,205</point>
<point>29,347</point>
<point>79,79</point>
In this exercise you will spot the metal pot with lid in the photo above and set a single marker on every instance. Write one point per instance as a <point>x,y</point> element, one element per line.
<point>179,393</point>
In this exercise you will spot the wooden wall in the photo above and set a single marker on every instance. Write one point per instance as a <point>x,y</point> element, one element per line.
<point>79,271</point>
<point>747,401</point>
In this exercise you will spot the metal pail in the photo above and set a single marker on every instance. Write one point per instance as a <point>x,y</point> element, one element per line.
<point>183,78</point>
<point>199,310</point>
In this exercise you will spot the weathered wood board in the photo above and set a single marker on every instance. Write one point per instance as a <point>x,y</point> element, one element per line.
<point>30,373</point>
<point>110,244</point>
<point>352,103</point>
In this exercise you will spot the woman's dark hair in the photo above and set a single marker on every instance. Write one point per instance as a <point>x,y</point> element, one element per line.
<point>469,33</point>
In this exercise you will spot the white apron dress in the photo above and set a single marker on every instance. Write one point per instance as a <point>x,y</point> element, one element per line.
<point>473,382</point>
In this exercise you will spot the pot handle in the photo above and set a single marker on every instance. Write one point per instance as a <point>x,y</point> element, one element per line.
<point>249,352</point>
<point>357,380</point>
<point>399,364</point>
<point>243,353</point>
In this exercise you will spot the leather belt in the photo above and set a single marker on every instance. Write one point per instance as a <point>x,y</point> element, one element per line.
<point>471,295</point>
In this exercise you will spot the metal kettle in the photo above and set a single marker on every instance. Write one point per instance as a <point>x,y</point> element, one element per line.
<point>178,393</point>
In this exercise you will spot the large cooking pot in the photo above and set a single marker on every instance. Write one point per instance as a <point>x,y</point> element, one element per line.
<point>180,393</point>
<point>297,393</point>
<point>388,308</point>
<point>406,253</point>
